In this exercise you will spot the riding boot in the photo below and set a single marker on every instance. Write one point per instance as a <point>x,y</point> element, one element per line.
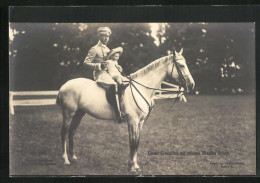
<point>123,86</point>
<point>116,104</point>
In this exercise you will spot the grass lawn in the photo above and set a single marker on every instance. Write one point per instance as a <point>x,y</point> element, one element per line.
<point>209,135</point>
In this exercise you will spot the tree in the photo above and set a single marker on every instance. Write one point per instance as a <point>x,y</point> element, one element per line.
<point>220,56</point>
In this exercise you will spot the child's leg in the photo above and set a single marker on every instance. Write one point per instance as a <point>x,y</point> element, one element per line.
<point>117,79</point>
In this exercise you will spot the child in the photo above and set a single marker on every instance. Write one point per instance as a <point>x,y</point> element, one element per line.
<point>113,69</point>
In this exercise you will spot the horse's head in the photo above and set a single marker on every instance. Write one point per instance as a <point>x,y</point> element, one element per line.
<point>179,71</point>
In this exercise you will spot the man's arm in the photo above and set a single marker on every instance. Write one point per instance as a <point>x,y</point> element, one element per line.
<point>89,59</point>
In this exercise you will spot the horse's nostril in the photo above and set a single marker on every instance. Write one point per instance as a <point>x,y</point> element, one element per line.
<point>190,86</point>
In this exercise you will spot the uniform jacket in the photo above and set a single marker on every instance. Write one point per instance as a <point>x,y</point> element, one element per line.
<point>96,55</point>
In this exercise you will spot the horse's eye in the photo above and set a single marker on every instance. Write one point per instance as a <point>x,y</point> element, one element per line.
<point>181,66</point>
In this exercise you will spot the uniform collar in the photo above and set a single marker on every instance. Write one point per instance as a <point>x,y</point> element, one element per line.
<point>101,45</point>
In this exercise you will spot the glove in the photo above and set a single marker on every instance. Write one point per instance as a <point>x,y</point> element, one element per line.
<point>103,66</point>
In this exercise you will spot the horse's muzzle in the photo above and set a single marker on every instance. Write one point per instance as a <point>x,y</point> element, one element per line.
<point>190,86</point>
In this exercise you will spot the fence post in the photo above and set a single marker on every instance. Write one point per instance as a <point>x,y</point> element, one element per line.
<point>11,106</point>
<point>160,92</point>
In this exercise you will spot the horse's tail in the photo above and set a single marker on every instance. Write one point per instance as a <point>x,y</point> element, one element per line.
<point>58,99</point>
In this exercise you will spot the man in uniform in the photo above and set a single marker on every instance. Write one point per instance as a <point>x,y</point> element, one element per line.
<point>96,60</point>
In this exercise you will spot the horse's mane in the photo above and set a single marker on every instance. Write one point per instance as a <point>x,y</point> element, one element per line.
<point>151,66</point>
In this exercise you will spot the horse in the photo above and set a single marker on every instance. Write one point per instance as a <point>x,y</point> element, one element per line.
<point>81,95</point>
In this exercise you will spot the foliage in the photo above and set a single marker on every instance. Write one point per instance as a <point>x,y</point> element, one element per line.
<point>220,55</point>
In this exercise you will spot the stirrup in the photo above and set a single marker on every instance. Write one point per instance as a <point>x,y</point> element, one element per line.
<point>122,119</point>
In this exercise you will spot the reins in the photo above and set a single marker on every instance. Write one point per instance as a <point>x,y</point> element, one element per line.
<point>150,106</point>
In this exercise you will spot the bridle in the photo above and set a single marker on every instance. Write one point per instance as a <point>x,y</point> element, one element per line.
<point>182,78</point>
<point>182,83</point>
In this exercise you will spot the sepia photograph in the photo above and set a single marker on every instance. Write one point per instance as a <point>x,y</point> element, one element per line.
<point>144,98</point>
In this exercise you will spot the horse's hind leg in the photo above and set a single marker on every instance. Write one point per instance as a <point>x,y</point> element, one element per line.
<point>67,118</point>
<point>72,129</point>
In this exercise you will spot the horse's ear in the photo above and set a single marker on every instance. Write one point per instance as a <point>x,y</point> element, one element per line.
<point>181,51</point>
<point>174,51</point>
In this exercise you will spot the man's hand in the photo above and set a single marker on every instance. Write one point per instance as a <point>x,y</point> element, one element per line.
<point>104,65</point>
<point>120,69</point>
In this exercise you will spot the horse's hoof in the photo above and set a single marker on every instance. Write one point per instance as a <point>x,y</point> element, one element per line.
<point>132,170</point>
<point>66,163</point>
<point>74,157</point>
<point>138,169</point>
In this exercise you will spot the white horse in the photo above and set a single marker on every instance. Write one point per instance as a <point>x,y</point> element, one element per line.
<point>80,96</point>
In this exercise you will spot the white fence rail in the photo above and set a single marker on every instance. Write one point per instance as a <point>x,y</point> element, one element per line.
<point>167,94</point>
<point>51,100</point>
<point>31,102</point>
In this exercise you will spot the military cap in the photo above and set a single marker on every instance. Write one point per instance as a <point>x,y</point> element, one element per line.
<point>104,30</point>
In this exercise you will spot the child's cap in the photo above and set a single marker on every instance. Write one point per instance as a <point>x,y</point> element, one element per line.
<point>115,50</point>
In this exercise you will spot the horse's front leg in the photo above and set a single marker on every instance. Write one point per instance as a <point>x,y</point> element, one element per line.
<point>134,137</point>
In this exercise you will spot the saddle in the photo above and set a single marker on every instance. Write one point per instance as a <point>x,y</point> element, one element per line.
<point>114,98</point>
<point>110,93</point>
